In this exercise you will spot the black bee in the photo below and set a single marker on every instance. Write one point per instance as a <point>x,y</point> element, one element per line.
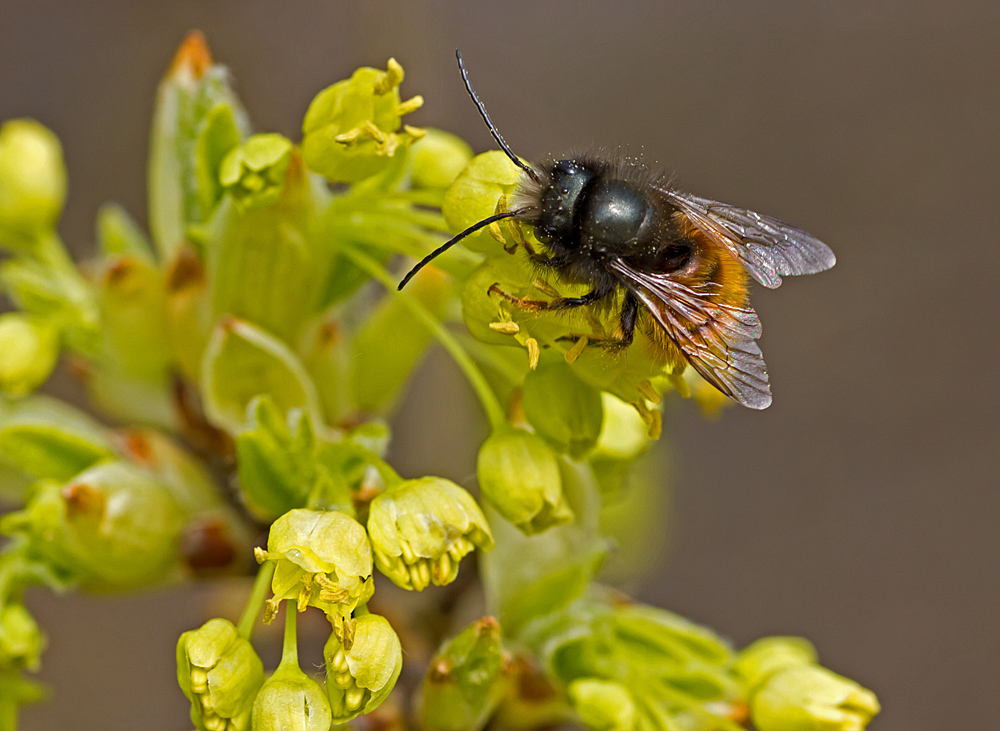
<point>679,265</point>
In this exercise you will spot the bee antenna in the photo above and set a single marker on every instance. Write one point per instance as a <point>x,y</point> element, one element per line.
<point>447,245</point>
<point>486,118</point>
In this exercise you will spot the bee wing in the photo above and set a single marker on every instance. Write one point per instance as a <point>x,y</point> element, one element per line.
<point>768,247</point>
<point>717,339</point>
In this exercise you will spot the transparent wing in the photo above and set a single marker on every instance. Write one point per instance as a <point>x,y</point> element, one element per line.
<point>718,340</point>
<point>768,247</point>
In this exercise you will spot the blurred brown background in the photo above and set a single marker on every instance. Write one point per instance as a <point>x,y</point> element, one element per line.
<point>861,509</point>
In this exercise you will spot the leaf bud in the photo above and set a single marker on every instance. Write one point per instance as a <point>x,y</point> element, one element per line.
<point>421,529</point>
<point>32,183</point>
<point>602,705</point>
<point>360,677</point>
<point>438,157</point>
<point>806,697</point>
<point>519,476</point>
<point>322,559</point>
<point>196,121</point>
<point>113,527</point>
<point>350,131</point>
<point>562,409</point>
<point>21,641</point>
<point>465,680</point>
<point>290,699</point>
<point>254,173</point>
<point>220,674</point>
<point>29,348</point>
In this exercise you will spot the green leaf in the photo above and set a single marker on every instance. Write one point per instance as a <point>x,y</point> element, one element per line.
<point>242,362</point>
<point>563,561</point>
<point>46,438</point>
<point>117,233</point>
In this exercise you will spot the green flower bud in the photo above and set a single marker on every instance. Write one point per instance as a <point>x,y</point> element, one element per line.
<point>360,677</point>
<point>46,438</point>
<point>475,195</point>
<point>760,660</point>
<point>291,701</point>
<point>29,348</point>
<point>21,641</point>
<point>465,681</point>
<point>241,362</point>
<point>113,527</point>
<point>421,530</point>
<point>438,158</point>
<point>254,173</point>
<point>519,475</point>
<point>563,410</point>
<point>197,120</point>
<point>322,559</point>
<point>220,674</point>
<point>602,705</point>
<point>32,182</point>
<point>350,129</point>
<point>810,698</point>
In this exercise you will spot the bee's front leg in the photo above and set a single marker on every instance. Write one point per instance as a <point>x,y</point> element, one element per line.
<point>559,303</point>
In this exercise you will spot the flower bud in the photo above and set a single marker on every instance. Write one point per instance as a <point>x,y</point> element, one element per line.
<point>474,196</point>
<point>290,699</point>
<point>760,660</point>
<point>360,677</point>
<point>350,129</point>
<point>254,173</point>
<point>563,410</point>
<point>811,698</point>
<point>220,674</point>
<point>602,705</point>
<point>32,182</point>
<point>21,641</point>
<point>421,530</point>
<point>465,680</point>
<point>323,559</point>
<point>113,527</point>
<point>29,348</point>
<point>438,158</point>
<point>519,475</point>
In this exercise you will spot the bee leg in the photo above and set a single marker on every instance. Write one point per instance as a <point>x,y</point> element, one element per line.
<point>545,261</point>
<point>559,303</point>
<point>630,311</point>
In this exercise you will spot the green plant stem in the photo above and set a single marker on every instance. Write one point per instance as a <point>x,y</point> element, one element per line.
<point>290,644</point>
<point>257,595</point>
<point>494,412</point>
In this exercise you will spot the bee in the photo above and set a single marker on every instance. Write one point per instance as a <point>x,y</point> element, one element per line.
<point>677,266</point>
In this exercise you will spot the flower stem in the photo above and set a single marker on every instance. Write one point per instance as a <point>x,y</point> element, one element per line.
<point>494,412</point>
<point>257,595</point>
<point>290,644</point>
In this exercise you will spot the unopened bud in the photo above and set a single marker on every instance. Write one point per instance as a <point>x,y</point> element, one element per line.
<point>421,530</point>
<point>32,182</point>
<point>360,677</point>
<point>29,348</point>
<point>220,674</point>
<point>519,475</point>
